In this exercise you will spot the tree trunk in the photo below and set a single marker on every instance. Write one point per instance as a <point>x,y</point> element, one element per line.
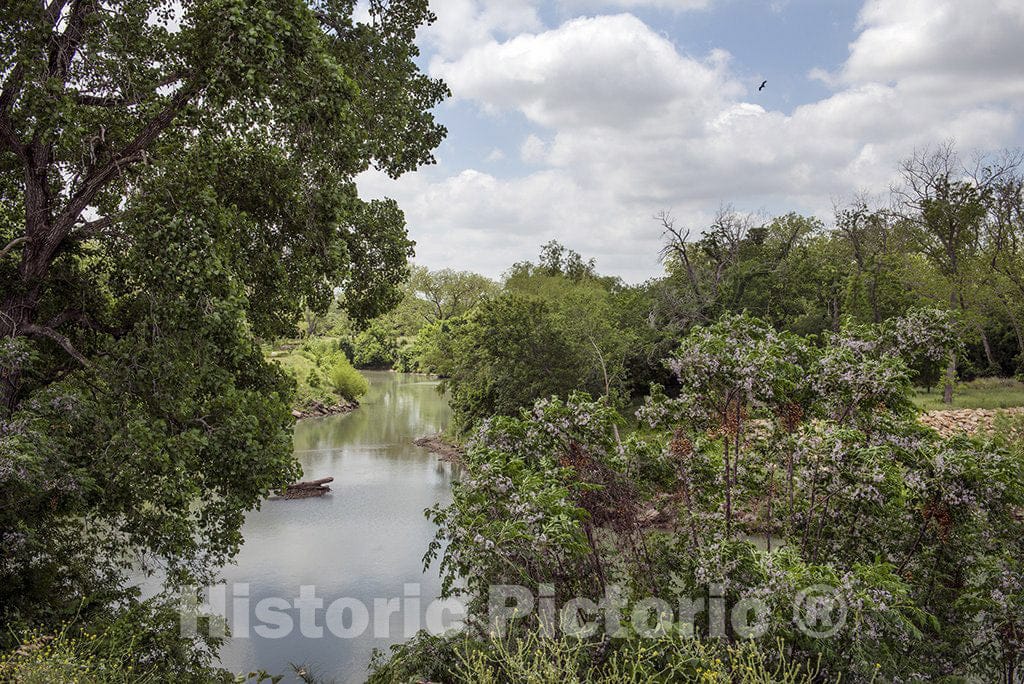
<point>17,311</point>
<point>43,239</point>
<point>988,348</point>
<point>947,391</point>
<point>1016,325</point>
<point>728,482</point>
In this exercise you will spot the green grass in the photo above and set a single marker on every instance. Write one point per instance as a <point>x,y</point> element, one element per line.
<point>985,393</point>
<point>301,363</point>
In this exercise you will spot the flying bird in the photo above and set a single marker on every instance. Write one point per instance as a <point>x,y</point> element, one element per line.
<point>763,84</point>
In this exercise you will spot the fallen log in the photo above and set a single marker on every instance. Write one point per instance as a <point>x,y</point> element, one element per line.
<point>304,490</point>
<point>311,484</point>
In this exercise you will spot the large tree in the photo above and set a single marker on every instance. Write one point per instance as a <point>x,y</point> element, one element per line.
<point>449,293</point>
<point>177,178</point>
<point>944,202</point>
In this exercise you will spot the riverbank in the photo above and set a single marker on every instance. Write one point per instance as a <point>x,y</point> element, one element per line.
<point>445,450</point>
<point>319,409</point>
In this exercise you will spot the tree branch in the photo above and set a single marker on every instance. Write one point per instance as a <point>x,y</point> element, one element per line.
<point>90,229</point>
<point>83,319</point>
<point>126,156</point>
<point>14,243</point>
<point>10,90</point>
<point>91,100</point>
<point>64,342</point>
<point>65,45</point>
<point>54,9</point>
<point>11,87</point>
<point>330,23</point>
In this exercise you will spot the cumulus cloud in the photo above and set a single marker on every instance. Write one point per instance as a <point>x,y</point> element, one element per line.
<point>674,5</point>
<point>477,221</point>
<point>904,40</point>
<point>628,123</point>
<point>533,150</point>
<point>462,24</point>
<point>600,71</point>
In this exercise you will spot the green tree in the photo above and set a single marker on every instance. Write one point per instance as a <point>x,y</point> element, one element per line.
<point>376,346</point>
<point>1005,253</point>
<point>449,293</point>
<point>602,319</point>
<point>177,179</point>
<point>504,355</point>
<point>945,204</point>
<point>770,269</point>
<point>346,380</point>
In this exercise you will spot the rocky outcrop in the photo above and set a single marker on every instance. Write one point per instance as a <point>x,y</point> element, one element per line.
<point>966,421</point>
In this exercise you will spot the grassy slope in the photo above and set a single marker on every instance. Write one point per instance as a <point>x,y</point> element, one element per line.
<point>299,364</point>
<point>985,393</point>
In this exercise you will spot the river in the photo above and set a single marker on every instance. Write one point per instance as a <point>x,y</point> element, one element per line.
<point>363,541</point>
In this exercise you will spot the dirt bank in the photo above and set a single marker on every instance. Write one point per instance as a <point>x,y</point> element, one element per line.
<point>445,450</point>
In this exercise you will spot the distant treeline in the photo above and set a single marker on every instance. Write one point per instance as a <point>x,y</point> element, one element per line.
<point>950,235</point>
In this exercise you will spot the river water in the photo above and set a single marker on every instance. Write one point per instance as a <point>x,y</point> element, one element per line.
<point>363,541</point>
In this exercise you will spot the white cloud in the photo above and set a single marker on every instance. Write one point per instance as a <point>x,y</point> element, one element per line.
<point>462,24</point>
<point>628,124</point>
<point>474,220</point>
<point>902,40</point>
<point>600,71</point>
<point>675,5</point>
<point>533,150</point>
<point>495,155</point>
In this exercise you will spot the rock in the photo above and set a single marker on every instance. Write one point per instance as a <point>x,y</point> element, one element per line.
<point>965,421</point>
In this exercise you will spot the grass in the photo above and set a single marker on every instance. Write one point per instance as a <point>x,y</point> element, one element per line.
<point>983,393</point>
<point>301,361</point>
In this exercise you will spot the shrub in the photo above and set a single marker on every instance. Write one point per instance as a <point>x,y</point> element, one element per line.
<point>141,642</point>
<point>376,347</point>
<point>529,657</point>
<point>346,380</point>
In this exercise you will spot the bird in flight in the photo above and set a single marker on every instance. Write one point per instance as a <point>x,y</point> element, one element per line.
<point>763,84</point>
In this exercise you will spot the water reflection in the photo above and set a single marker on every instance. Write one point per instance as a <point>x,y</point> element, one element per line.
<point>365,540</point>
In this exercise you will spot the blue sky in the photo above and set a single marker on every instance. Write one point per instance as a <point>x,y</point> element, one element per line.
<point>579,120</point>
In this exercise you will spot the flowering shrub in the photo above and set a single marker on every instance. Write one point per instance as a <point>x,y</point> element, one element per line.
<point>537,494</point>
<point>925,339</point>
<point>781,464</point>
<point>854,378</point>
<point>737,364</point>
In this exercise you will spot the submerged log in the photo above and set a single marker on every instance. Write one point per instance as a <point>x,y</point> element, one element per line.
<point>312,483</point>
<point>304,490</point>
<point>304,493</point>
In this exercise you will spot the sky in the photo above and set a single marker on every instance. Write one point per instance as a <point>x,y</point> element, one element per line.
<point>580,120</point>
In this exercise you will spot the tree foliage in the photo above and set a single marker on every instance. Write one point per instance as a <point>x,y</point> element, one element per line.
<point>177,181</point>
